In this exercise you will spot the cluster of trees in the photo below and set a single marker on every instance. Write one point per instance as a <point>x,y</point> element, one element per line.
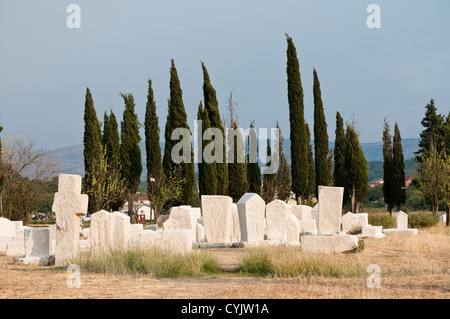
<point>25,175</point>
<point>433,158</point>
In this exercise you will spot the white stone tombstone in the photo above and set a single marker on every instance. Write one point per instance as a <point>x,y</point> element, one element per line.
<point>372,232</point>
<point>200,233</point>
<point>235,231</point>
<point>183,217</point>
<point>349,221</point>
<point>302,212</point>
<point>308,227</point>
<point>277,213</point>
<point>7,228</point>
<point>68,205</point>
<point>315,213</point>
<point>37,246</point>
<point>121,230</point>
<point>251,209</point>
<point>101,231</point>
<point>293,230</point>
<point>217,211</point>
<point>363,219</point>
<point>443,218</point>
<point>135,231</point>
<point>402,220</point>
<point>330,210</point>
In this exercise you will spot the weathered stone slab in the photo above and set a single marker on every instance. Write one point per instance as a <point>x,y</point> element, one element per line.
<point>37,247</point>
<point>315,213</point>
<point>330,210</point>
<point>363,219</point>
<point>3,241</point>
<point>200,233</point>
<point>101,237</point>
<point>293,230</point>
<point>302,212</point>
<point>235,231</point>
<point>372,232</point>
<point>177,240</point>
<point>308,227</point>
<point>183,217</point>
<point>15,248</point>
<point>402,220</point>
<point>69,204</point>
<point>277,213</point>
<point>121,230</point>
<point>217,218</point>
<point>443,218</point>
<point>7,228</point>
<point>135,231</point>
<point>349,221</point>
<point>251,208</point>
<point>328,244</point>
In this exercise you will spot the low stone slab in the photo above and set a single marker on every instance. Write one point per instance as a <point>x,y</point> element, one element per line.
<point>135,231</point>
<point>372,232</point>
<point>200,233</point>
<point>363,219</point>
<point>328,244</point>
<point>7,228</point>
<point>177,240</point>
<point>3,241</point>
<point>302,212</point>
<point>308,227</point>
<point>349,221</point>
<point>401,232</point>
<point>15,248</point>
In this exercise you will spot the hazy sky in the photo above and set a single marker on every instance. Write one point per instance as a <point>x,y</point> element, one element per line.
<point>391,72</point>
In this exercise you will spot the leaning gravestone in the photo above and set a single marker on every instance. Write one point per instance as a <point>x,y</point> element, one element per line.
<point>69,204</point>
<point>217,218</point>
<point>251,208</point>
<point>330,208</point>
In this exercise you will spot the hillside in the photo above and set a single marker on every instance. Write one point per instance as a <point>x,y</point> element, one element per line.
<point>71,160</point>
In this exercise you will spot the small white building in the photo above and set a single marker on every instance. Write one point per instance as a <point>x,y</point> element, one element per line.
<point>147,211</point>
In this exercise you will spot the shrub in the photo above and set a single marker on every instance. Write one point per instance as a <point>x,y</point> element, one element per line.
<point>355,230</point>
<point>384,220</point>
<point>422,219</point>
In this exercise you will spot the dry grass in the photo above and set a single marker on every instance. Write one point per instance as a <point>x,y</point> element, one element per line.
<point>411,267</point>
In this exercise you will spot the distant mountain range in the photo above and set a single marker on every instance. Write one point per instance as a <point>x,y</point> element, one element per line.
<point>71,161</point>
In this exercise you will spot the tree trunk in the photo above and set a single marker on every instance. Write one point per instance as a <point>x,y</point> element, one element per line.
<point>299,199</point>
<point>353,200</point>
<point>131,206</point>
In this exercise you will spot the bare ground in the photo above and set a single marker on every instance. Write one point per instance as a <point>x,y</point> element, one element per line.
<point>413,267</point>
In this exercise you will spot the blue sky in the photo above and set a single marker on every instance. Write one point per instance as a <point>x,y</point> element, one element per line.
<point>390,72</point>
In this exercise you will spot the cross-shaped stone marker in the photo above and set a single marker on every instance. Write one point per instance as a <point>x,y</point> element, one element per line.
<point>69,204</point>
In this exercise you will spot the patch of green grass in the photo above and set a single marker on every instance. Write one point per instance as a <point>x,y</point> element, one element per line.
<point>154,262</point>
<point>355,230</point>
<point>288,263</point>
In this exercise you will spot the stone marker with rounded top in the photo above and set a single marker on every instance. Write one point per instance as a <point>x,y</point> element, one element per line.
<point>251,208</point>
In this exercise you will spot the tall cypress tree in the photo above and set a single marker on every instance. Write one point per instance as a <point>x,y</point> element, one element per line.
<point>253,169</point>
<point>92,141</point>
<point>212,107</point>
<point>130,152</point>
<point>177,118</point>
<point>237,166</point>
<point>111,146</point>
<point>339,174</point>
<point>356,169</point>
<point>388,168</point>
<point>207,176</point>
<point>434,130</point>
<point>447,135</point>
<point>398,170</point>
<point>299,143</point>
<point>153,150</point>
<point>268,190</point>
<point>311,170</point>
<point>323,173</point>
<point>283,184</point>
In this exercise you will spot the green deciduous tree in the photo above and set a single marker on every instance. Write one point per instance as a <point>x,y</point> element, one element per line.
<point>299,143</point>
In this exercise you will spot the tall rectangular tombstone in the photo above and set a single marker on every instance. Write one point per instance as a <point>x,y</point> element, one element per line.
<point>217,218</point>
<point>330,208</point>
<point>251,208</point>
